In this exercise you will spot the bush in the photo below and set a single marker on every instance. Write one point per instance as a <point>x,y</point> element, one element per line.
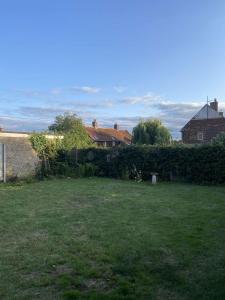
<point>202,164</point>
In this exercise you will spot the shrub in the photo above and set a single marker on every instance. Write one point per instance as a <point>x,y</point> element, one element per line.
<point>203,164</point>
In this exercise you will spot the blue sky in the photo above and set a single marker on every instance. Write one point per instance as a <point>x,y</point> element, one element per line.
<point>118,60</point>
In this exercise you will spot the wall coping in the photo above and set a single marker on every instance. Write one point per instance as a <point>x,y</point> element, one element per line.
<point>26,135</point>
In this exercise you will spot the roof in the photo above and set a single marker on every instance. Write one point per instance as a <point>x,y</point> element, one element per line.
<point>205,114</point>
<point>109,135</point>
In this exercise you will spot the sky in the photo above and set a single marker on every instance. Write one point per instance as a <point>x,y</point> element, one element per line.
<point>117,61</point>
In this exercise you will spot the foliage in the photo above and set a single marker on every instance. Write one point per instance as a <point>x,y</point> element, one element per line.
<point>45,147</point>
<point>39,144</point>
<point>65,169</point>
<point>151,132</point>
<point>47,150</point>
<point>136,174</point>
<point>219,140</point>
<point>203,164</point>
<point>75,135</point>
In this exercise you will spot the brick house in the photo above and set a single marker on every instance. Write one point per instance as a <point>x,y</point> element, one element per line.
<point>108,137</point>
<point>204,126</point>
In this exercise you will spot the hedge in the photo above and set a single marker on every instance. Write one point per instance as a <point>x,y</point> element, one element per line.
<point>202,164</point>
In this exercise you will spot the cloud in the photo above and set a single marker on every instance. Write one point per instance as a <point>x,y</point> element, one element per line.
<point>51,102</point>
<point>54,92</point>
<point>43,112</point>
<point>90,105</point>
<point>22,124</point>
<point>146,99</point>
<point>120,89</point>
<point>38,94</point>
<point>178,110</point>
<point>85,89</point>
<point>123,122</point>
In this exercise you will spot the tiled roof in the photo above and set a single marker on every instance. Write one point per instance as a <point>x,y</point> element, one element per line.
<point>109,135</point>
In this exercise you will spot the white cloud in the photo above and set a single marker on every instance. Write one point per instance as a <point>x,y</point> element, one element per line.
<point>86,89</point>
<point>43,112</point>
<point>22,124</point>
<point>35,93</point>
<point>56,91</point>
<point>146,99</point>
<point>120,89</point>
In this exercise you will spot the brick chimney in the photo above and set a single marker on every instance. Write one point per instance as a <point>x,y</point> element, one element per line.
<point>116,126</point>
<point>214,105</point>
<point>94,123</point>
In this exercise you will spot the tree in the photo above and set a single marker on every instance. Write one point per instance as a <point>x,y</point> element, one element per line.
<point>75,135</point>
<point>219,140</point>
<point>151,132</point>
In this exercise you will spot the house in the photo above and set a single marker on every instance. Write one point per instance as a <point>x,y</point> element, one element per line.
<point>204,126</point>
<point>108,137</point>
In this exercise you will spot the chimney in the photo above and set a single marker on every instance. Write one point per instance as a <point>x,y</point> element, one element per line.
<point>94,123</point>
<point>214,105</point>
<point>116,126</point>
<point>221,114</point>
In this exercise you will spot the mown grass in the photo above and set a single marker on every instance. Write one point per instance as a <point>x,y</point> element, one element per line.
<point>109,239</point>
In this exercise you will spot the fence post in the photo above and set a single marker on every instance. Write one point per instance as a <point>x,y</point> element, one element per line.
<point>4,162</point>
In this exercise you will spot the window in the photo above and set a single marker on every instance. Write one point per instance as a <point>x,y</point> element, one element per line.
<point>200,136</point>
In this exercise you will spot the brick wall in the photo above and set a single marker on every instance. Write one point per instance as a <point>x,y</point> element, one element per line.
<point>209,128</point>
<point>21,159</point>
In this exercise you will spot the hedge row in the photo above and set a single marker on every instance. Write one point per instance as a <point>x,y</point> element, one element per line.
<point>204,164</point>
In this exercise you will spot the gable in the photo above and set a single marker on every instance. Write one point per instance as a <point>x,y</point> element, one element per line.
<point>206,112</point>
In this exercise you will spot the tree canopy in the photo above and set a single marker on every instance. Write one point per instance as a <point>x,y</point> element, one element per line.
<point>75,135</point>
<point>151,132</point>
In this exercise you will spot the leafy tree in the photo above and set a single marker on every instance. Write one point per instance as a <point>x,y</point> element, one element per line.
<point>151,132</point>
<point>75,135</point>
<point>219,140</point>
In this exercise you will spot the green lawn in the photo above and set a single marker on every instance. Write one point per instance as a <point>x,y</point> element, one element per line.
<point>109,239</point>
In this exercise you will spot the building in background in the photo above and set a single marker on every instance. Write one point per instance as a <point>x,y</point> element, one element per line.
<point>205,125</point>
<point>108,137</point>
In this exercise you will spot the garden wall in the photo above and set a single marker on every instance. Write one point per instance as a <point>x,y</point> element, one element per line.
<point>202,164</point>
<point>21,159</point>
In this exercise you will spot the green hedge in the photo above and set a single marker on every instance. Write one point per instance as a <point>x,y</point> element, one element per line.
<point>203,164</point>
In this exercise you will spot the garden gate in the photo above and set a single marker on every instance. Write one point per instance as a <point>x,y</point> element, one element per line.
<point>2,163</point>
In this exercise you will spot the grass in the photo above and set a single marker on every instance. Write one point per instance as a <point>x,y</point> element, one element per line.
<point>110,239</point>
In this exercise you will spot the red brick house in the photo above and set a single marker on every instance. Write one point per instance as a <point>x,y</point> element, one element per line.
<point>108,137</point>
<point>204,126</point>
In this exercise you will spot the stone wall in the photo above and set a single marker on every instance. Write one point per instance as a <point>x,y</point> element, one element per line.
<point>21,159</point>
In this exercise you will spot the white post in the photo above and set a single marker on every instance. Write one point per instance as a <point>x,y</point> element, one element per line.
<point>4,162</point>
<point>154,179</point>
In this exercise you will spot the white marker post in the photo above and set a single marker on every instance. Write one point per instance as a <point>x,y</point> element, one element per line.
<point>154,177</point>
<point>2,163</point>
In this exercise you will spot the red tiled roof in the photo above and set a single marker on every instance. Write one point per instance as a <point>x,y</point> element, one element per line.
<point>109,135</point>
